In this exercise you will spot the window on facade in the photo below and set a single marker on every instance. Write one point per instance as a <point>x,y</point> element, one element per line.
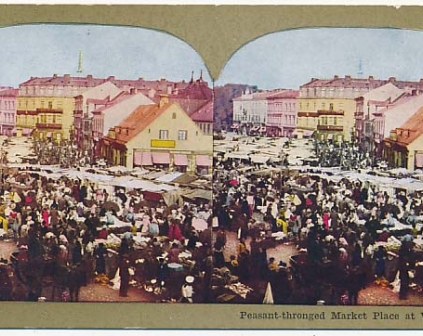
<point>163,134</point>
<point>54,119</point>
<point>182,135</point>
<point>173,115</point>
<point>50,105</point>
<point>331,106</point>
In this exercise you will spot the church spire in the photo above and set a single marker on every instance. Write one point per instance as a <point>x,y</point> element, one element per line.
<point>79,71</point>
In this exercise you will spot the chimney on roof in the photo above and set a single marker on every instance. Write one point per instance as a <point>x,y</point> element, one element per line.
<point>392,79</point>
<point>89,77</point>
<point>313,79</point>
<point>55,76</point>
<point>110,78</point>
<point>348,77</point>
<point>164,99</point>
<point>335,77</point>
<point>371,78</point>
<point>66,75</point>
<point>132,91</point>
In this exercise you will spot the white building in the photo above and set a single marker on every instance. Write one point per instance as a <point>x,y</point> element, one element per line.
<point>251,108</point>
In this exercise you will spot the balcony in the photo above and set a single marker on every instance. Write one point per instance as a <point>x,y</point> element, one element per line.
<point>307,114</point>
<point>330,112</point>
<point>330,128</point>
<point>26,112</point>
<point>48,126</point>
<point>49,110</point>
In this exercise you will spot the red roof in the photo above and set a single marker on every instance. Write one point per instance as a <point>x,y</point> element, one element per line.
<point>8,92</point>
<point>349,82</point>
<point>204,114</point>
<point>198,90</point>
<point>138,120</point>
<point>285,94</point>
<point>411,129</point>
<point>161,86</point>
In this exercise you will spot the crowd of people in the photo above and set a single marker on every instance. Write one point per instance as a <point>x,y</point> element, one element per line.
<point>345,155</point>
<point>345,228</point>
<point>63,153</point>
<point>73,231</point>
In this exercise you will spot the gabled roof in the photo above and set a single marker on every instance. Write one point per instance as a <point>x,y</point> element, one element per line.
<point>411,129</point>
<point>138,120</point>
<point>383,93</point>
<point>109,103</point>
<point>204,114</point>
<point>392,107</point>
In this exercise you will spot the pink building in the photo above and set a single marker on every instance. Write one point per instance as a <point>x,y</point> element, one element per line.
<point>369,103</point>
<point>110,112</point>
<point>203,118</point>
<point>282,113</point>
<point>387,119</point>
<point>8,102</point>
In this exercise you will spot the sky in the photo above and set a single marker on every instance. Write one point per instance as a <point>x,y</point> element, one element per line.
<point>124,52</point>
<point>291,58</point>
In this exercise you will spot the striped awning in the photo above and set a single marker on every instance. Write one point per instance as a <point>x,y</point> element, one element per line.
<point>203,160</point>
<point>143,159</point>
<point>161,158</point>
<point>180,160</point>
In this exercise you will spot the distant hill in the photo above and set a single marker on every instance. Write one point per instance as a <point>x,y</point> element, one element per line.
<point>223,96</point>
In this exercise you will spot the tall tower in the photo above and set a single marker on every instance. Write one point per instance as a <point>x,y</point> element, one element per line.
<point>360,68</point>
<point>79,71</point>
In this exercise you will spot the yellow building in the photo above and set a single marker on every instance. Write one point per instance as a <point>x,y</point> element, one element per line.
<point>327,106</point>
<point>46,105</point>
<point>160,135</point>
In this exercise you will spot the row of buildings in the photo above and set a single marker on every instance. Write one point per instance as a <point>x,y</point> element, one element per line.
<point>167,124</point>
<point>383,116</point>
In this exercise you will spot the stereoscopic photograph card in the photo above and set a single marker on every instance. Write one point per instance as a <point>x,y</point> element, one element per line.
<point>205,167</point>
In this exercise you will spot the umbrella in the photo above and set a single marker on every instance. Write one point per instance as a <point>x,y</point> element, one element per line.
<point>111,206</point>
<point>199,224</point>
<point>233,182</point>
<point>268,296</point>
